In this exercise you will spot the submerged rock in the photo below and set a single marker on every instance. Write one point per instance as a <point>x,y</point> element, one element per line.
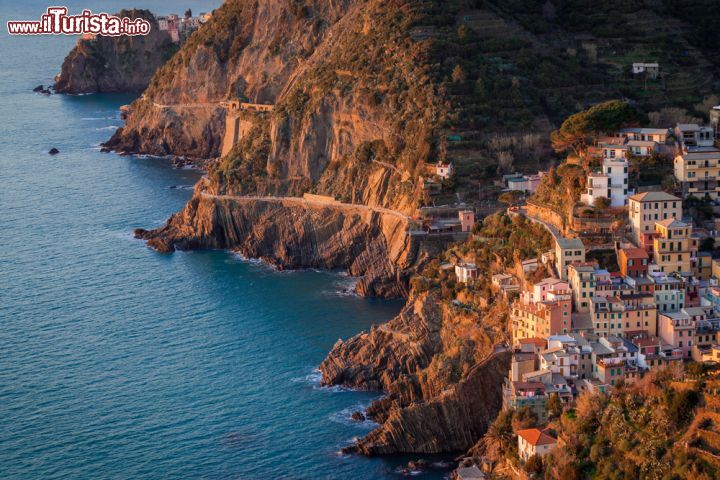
<point>39,88</point>
<point>54,151</point>
<point>358,417</point>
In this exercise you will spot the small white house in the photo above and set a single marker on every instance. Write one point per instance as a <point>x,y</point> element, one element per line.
<point>162,24</point>
<point>444,170</point>
<point>532,441</point>
<point>612,183</point>
<point>641,148</point>
<point>466,272</point>
<point>651,69</point>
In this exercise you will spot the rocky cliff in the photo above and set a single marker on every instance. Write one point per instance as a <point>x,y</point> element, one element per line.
<point>293,233</point>
<point>115,64</point>
<point>346,121</point>
<point>441,373</point>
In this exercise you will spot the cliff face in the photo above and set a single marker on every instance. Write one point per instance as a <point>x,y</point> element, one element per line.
<point>345,119</point>
<point>115,64</point>
<point>292,233</point>
<point>438,367</point>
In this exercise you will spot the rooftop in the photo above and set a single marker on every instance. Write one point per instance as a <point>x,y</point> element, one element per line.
<point>654,197</point>
<point>671,223</point>
<point>536,437</point>
<point>635,252</point>
<point>566,243</point>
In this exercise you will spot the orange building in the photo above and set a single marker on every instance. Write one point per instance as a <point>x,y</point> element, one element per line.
<point>542,319</point>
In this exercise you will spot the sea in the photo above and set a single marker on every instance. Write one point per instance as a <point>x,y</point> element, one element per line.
<point>118,362</point>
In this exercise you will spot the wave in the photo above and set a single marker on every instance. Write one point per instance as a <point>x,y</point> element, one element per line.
<point>314,379</point>
<point>114,117</point>
<point>344,417</point>
<point>109,127</point>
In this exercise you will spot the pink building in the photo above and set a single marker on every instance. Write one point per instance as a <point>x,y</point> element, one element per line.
<point>541,289</point>
<point>467,220</point>
<point>677,329</point>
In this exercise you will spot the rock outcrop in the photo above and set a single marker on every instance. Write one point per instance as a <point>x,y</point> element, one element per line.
<point>292,233</point>
<point>115,64</point>
<point>439,368</point>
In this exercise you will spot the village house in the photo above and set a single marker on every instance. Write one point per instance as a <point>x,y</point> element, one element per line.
<point>646,209</point>
<point>535,442</point>
<point>694,135</point>
<point>542,319</point>
<point>541,289</point>
<point>641,148</point>
<point>581,277</point>
<point>568,251</point>
<point>467,220</point>
<point>523,183</point>
<point>466,272</point>
<point>672,246</point>
<point>616,315</point>
<point>505,283</point>
<point>669,292</point>
<point>652,70</point>
<point>655,135</point>
<point>532,395</point>
<point>677,329</point>
<point>698,173</point>
<point>633,262</point>
<point>444,170</point>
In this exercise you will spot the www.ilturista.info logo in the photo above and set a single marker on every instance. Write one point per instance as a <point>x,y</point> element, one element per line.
<point>57,22</point>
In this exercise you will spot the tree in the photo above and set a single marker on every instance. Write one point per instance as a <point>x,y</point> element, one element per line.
<point>499,438</point>
<point>578,130</point>
<point>601,203</point>
<point>511,198</point>
<point>554,406</point>
<point>188,13</point>
<point>459,75</point>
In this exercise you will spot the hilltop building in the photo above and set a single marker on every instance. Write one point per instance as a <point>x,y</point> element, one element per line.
<point>444,170</point>
<point>612,183</point>
<point>698,173</point>
<point>466,272</point>
<point>694,135</point>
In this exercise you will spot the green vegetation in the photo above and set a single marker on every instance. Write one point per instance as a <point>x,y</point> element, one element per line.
<point>579,130</point>
<point>561,187</point>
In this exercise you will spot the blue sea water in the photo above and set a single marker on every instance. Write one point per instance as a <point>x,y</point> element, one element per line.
<point>119,362</point>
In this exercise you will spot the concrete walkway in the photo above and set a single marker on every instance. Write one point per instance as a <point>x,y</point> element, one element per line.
<point>187,105</point>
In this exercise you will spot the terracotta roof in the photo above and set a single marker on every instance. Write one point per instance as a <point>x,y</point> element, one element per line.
<point>635,252</point>
<point>536,437</point>
<point>540,342</point>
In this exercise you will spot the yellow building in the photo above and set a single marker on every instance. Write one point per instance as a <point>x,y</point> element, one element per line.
<point>542,319</point>
<point>618,315</point>
<point>647,208</point>
<point>581,277</point>
<point>698,173</point>
<point>673,247</point>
